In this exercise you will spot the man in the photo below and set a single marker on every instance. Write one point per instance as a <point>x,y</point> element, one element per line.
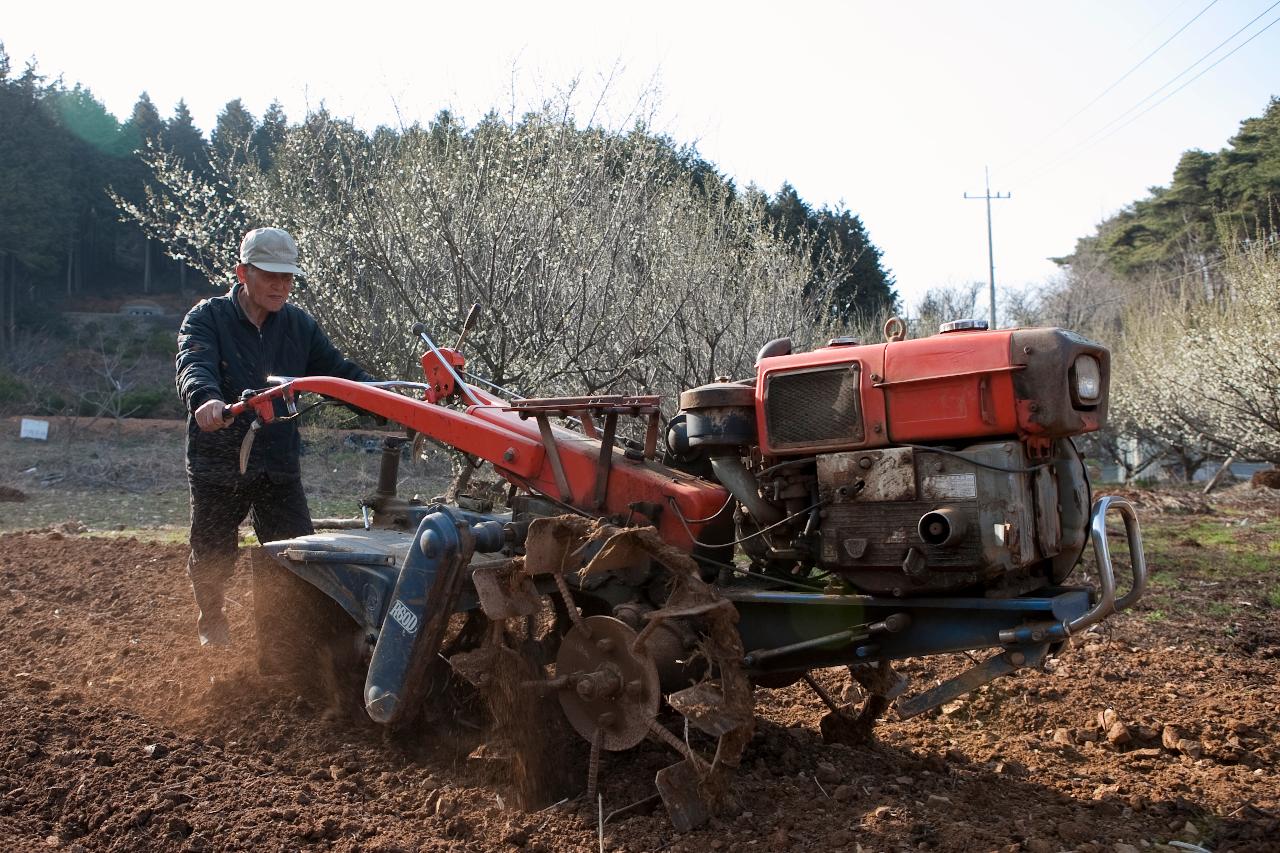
<point>226,345</point>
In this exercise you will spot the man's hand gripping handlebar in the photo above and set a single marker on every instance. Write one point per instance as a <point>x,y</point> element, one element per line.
<point>215,414</point>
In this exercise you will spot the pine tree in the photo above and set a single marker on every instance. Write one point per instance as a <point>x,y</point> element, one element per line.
<point>1247,173</point>
<point>142,131</point>
<point>1179,230</point>
<point>838,246</point>
<point>864,288</point>
<point>36,195</point>
<point>232,140</point>
<point>269,136</point>
<point>183,138</point>
<point>98,156</point>
<point>144,124</point>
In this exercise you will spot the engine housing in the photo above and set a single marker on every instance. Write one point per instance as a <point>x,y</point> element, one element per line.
<point>903,521</point>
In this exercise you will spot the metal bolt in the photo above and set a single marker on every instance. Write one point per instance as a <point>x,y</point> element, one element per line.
<point>877,429</point>
<point>1034,407</point>
<point>1027,350</point>
<point>864,463</point>
<point>509,455</point>
<point>875,377</point>
<point>604,644</point>
<point>1017,658</point>
<point>1037,636</point>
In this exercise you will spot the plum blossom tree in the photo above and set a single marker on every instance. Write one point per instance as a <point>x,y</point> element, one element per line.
<point>602,262</point>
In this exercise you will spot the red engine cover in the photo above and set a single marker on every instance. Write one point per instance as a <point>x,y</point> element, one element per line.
<point>960,385</point>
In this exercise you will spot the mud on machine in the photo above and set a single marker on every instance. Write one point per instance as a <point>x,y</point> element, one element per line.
<point>849,506</point>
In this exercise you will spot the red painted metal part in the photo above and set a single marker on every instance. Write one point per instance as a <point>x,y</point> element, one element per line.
<point>515,448</point>
<point>871,359</point>
<point>438,375</point>
<point>945,387</point>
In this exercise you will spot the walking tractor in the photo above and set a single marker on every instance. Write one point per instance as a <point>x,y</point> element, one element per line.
<point>846,507</point>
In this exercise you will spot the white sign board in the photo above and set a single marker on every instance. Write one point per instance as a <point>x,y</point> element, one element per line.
<point>39,430</point>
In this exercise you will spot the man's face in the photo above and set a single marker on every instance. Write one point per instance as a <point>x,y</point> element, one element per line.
<point>268,291</point>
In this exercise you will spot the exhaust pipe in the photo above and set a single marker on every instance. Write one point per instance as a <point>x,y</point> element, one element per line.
<point>735,477</point>
<point>943,527</point>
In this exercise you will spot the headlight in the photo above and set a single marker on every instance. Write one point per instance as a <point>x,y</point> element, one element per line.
<point>1088,379</point>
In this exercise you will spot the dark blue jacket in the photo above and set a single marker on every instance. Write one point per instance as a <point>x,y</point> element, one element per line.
<point>220,354</point>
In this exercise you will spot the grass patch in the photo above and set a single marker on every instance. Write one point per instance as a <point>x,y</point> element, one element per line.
<point>1220,609</point>
<point>161,535</point>
<point>1210,534</point>
<point>1252,561</point>
<point>1182,549</point>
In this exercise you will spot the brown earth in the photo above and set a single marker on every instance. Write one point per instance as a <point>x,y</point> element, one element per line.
<point>118,733</point>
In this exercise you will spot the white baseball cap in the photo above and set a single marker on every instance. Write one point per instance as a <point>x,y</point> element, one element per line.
<point>270,249</point>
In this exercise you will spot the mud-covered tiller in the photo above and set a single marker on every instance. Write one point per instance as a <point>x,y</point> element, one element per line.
<point>849,506</point>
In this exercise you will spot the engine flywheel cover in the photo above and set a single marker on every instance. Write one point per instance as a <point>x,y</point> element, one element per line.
<point>609,687</point>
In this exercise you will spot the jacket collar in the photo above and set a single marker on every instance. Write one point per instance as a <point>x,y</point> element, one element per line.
<point>239,309</point>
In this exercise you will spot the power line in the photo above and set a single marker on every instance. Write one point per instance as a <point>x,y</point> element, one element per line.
<point>1274,21</point>
<point>1106,130</point>
<point>1114,84</point>
<point>991,262</point>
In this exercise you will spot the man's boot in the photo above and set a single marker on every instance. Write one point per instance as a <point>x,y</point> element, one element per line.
<point>212,622</point>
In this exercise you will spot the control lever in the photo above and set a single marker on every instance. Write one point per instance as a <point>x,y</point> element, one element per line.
<point>420,329</point>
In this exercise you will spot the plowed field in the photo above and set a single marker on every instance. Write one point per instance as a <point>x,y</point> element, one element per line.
<point>118,733</point>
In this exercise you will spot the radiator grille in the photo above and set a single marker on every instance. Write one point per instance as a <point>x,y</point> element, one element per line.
<point>814,408</point>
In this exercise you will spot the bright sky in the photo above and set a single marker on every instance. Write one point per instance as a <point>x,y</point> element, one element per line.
<point>890,108</point>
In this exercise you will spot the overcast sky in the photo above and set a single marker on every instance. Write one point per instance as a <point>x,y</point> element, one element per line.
<point>889,108</point>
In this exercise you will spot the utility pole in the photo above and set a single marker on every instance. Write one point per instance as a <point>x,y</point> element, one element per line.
<point>991,261</point>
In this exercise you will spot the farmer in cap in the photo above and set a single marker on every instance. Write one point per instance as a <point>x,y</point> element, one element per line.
<point>226,345</point>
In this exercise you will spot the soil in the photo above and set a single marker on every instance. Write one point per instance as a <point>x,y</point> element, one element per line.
<point>118,733</point>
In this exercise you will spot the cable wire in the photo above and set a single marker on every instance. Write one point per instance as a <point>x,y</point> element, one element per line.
<point>926,448</point>
<point>694,539</point>
<point>1107,90</point>
<point>759,576</point>
<point>1110,128</point>
<point>1226,56</point>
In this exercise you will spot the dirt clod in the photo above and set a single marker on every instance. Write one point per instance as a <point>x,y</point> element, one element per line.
<point>827,773</point>
<point>1190,748</point>
<point>1118,734</point>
